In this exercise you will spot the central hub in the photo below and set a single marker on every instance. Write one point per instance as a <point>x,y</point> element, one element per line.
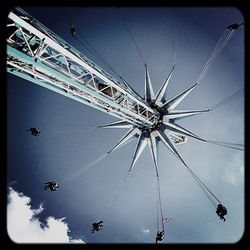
<point>156,125</point>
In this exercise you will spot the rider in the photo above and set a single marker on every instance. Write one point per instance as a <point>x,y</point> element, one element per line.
<point>221,211</point>
<point>97,226</point>
<point>235,26</point>
<point>53,186</point>
<point>72,30</point>
<point>159,236</point>
<point>34,131</point>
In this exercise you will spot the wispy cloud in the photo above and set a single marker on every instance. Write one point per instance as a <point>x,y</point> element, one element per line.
<point>24,226</point>
<point>234,170</point>
<point>146,231</point>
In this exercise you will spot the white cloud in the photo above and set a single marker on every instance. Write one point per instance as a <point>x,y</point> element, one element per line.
<point>24,226</point>
<point>146,231</point>
<point>234,170</point>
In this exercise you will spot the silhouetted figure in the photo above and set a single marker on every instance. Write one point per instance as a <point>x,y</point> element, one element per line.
<point>72,30</point>
<point>97,226</point>
<point>53,186</point>
<point>159,236</point>
<point>234,26</point>
<point>34,131</point>
<point>221,211</point>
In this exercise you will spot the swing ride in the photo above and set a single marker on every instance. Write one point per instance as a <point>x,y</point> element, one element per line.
<point>38,55</point>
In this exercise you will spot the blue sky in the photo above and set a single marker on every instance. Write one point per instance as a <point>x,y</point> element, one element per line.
<point>85,196</point>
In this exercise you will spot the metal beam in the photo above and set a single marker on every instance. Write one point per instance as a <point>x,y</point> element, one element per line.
<point>38,53</point>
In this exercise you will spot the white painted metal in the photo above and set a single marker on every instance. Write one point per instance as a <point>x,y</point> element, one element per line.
<point>178,114</point>
<point>131,134</point>
<point>162,91</point>
<point>176,128</point>
<point>37,54</point>
<point>58,55</point>
<point>167,142</point>
<point>153,147</point>
<point>173,102</point>
<point>141,144</point>
<point>149,93</point>
<point>119,124</point>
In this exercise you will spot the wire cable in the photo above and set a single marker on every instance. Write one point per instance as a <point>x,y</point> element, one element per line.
<point>202,183</point>
<point>131,36</point>
<point>226,100</point>
<point>227,145</point>
<point>204,190</point>
<point>174,37</point>
<point>160,204</point>
<point>224,39</point>
<point>112,202</point>
<point>45,132</point>
<point>83,42</point>
<point>82,170</point>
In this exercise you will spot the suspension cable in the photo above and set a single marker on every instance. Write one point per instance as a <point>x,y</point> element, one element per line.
<point>204,190</point>
<point>236,146</point>
<point>157,213</point>
<point>202,183</point>
<point>226,100</point>
<point>159,195</point>
<point>159,206</point>
<point>229,143</point>
<point>82,170</point>
<point>131,36</point>
<point>174,37</point>
<point>112,202</point>
<point>83,41</point>
<point>45,132</point>
<point>224,39</point>
<point>91,164</point>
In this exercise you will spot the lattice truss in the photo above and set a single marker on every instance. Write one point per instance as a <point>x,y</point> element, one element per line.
<point>38,55</point>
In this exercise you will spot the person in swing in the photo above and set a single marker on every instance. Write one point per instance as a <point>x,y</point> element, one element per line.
<point>159,236</point>
<point>97,226</point>
<point>221,211</point>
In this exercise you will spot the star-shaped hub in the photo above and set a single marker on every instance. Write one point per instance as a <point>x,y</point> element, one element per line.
<point>165,130</point>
